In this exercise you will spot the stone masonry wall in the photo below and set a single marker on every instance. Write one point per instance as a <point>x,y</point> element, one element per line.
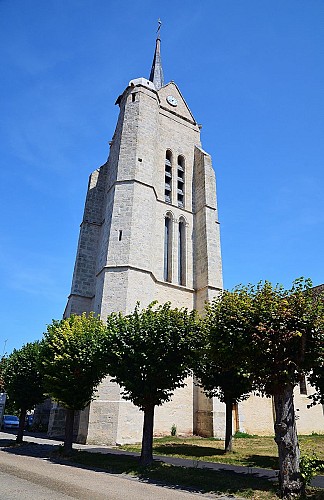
<point>207,261</point>
<point>84,275</point>
<point>122,235</point>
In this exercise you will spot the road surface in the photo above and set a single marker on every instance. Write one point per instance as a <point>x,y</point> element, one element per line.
<point>25,477</point>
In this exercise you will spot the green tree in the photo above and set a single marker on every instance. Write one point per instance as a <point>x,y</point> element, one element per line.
<point>149,353</point>
<point>23,381</point>
<point>285,339</point>
<point>316,379</point>
<point>2,366</point>
<point>222,368</point>
<point>73,366</point>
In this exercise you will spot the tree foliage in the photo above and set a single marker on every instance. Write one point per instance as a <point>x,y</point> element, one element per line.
<point>73,364</point>
<point>2,366</point>
<point>222,364</point>
<point>23,380</point>
<point>316,379</point>
<point>271,336</point>
<point>286,340</point>
<point>71,359</point>
<point>286,334</point>
<point>149,353</point>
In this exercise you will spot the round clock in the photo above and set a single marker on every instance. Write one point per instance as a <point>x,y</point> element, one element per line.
<point>172,100</point>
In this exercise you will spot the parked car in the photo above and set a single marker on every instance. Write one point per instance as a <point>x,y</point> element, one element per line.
<point>10,422</point>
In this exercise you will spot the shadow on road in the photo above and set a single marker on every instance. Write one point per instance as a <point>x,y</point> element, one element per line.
<point>189,475</point>
<point>188,450</point>
<point>193,477</point>
<point>28,448</point>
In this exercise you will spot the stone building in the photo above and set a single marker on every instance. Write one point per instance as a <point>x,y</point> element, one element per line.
<point>150,231</point>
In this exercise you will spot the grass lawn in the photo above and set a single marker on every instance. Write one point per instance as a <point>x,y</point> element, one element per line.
<point>253,452</point>
<point>250,451</point>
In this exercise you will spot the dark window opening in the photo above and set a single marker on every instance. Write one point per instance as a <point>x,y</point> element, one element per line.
<point>182,254</point>
<point>133,96</point>
<point>181,180</point>
<point>167,249</point>
<point>302,385</point>
<point>120,235</point>
<point>168,177</point>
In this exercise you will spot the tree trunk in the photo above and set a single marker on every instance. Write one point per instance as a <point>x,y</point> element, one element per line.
<point>68,436</point>
<point>229,426</point>
<point>147,439</point>
<point>22,419</point>
<point>288,449</point>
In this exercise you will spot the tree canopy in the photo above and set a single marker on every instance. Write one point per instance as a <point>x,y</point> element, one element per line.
<point>316,378</point>
<point>285,334</point>
<point>73,364</point>
<point>23,380</point>
<point>2,366</point>
<point>149,353</point>
<point>222,367</point>
<point>271,337</point>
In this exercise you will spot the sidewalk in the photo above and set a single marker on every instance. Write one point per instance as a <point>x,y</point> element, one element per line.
<point>318,481</point>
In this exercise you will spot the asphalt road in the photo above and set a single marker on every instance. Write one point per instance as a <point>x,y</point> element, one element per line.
<point>29,472</point>
<point>24,477</point>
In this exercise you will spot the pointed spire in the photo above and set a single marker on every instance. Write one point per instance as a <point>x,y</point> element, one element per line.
<point>156,75</point>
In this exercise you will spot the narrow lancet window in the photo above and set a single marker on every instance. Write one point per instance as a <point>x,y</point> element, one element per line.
<point>168,248</point>
<point>182,253</point>
<point>181,180</point>
<point>168,177</point>
<point>302,385</point>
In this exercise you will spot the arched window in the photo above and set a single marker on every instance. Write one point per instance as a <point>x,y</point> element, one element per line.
<point>168,248</point>
<point>168,177</point>
<point>181,180</point>
<point>182,252</point>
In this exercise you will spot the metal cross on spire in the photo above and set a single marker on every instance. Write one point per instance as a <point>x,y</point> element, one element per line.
<point>156,75</point>
<point>159,27</point>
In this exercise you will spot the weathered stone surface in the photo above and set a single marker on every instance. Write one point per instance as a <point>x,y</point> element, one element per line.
<point>120,256</point>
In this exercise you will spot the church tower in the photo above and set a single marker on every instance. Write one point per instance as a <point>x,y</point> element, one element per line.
<point>150,231</point>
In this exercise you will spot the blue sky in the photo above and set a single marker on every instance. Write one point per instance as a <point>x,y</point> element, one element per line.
<point>251,71</point>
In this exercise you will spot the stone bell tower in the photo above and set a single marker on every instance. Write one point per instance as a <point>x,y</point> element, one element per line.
<point>149,232</point>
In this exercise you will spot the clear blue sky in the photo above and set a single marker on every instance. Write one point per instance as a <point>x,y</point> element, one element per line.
<point>252,72</point>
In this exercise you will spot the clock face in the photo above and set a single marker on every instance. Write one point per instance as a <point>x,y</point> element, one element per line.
<point>172,100</point>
